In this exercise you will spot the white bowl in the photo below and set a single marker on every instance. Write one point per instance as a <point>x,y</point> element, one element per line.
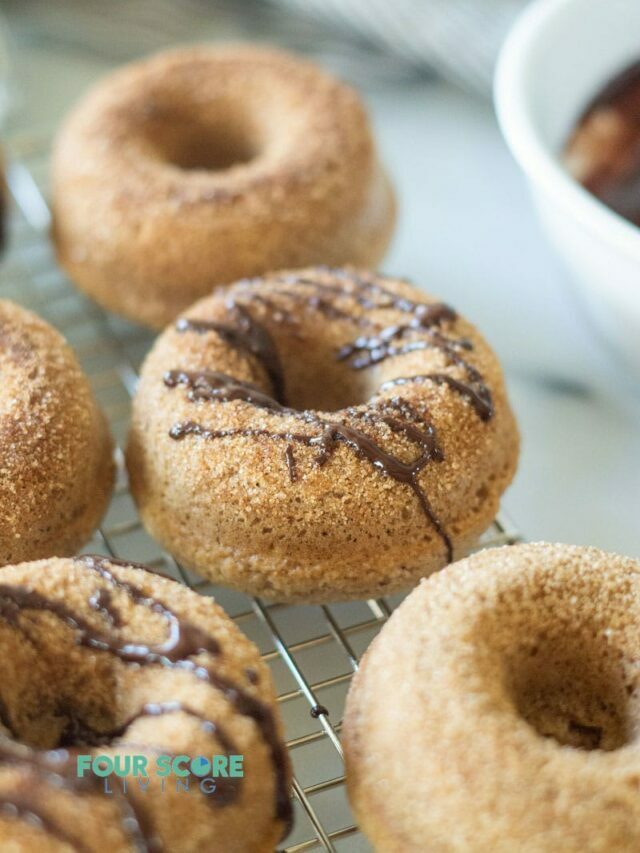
<point>558,56</point>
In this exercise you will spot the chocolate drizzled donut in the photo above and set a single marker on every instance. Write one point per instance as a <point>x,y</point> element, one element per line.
<point>336,403</point>
<point>181,685</point>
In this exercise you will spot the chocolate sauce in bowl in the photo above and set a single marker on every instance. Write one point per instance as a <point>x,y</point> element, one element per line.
<point>603,152</point>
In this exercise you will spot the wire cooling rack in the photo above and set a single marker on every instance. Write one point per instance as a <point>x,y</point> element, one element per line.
<point>312,651</point>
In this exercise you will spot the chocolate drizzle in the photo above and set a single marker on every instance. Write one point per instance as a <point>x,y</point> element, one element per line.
<point>423,328</point>
<point>243,333</point>
<point>291,463</point>
<point>211,385</point>
<point>396,414</point>
<point>368,350</point>
<point>101,602</point>
<point>56,768</point>
<point>21,808</point>
<point>52,767</point>
<point>477,394</point>
<point>351,298</point>
<point>227,789</point>
<point>185,641</point>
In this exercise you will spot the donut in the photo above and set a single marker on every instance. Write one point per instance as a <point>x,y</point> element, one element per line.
<point>202,165</point>
<point>320,434</point>
<point>56,467</point>
<point>497,710</point>
<point>105,663</point>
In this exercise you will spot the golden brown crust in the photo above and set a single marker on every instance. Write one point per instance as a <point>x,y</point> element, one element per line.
<point>61,692</point>
<point>498,708</point>
<point>295,178</point>
<point>230,509</point>
<point>56,467</point>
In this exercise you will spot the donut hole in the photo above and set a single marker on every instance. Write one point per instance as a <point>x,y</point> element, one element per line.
<point>324,393</point>
<point>572,689</point>
<point>194,145</point>
<point>318,381</point>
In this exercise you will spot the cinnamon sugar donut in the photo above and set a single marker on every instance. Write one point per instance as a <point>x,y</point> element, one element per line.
<point>319,435</point>
<point>499,709</point>
<point>56,467</point>
<point>202,165</point>
<point>102,659</point>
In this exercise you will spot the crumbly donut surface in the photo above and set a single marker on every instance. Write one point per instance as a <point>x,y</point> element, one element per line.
<point>60,693</point>
<point>299,502</point>
<point>56,467</point>
<point>205,164</point>
<point>498,710</point>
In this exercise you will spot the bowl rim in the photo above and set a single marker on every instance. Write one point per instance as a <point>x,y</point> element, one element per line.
<point>536,159</point>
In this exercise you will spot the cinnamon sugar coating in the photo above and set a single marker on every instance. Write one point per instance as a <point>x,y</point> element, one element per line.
<point>205,164</point>
<point>498,708</point>
<point>56,467</point>
<point>103,659</point>
<point>319,435</point>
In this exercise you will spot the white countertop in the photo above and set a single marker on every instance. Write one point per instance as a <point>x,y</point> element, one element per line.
<point>467,233</point>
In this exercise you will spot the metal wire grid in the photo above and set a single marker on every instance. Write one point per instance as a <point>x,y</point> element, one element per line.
<point>312,651</point>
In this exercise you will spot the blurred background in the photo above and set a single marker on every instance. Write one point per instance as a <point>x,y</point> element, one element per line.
<point>466,230</point>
